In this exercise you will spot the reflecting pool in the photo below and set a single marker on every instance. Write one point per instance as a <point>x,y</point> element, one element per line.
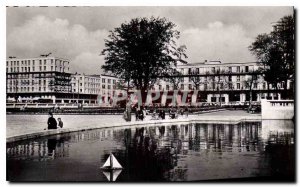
<point>248,151</point>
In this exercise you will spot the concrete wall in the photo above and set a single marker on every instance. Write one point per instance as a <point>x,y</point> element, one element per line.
<point>277,109</point>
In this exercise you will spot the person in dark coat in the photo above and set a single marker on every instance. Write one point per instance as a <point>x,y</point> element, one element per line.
<point>60,123</point>
<point>52,124</point>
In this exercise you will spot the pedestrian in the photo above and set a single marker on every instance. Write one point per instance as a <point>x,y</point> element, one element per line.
<point>60,123</point>
<point>163,114</point>
<point>186,111</point>
<point>52,124</point>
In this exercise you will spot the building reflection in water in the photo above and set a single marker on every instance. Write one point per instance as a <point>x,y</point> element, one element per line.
<point>159,153</point>
<point>39,150</point>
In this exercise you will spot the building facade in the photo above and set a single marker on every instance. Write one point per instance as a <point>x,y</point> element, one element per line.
<point>42,78</point>
<point>221,82</point>
<point>103,86</point>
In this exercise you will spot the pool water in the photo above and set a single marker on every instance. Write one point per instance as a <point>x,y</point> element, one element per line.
<point>247,151</point>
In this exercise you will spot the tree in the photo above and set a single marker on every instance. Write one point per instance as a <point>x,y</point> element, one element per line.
<point>276,52</point>
<point>143,50</point>
<point>174,77</point>
<point>249,84</point>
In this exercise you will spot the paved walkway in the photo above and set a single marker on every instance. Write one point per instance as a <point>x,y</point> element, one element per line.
<point>25,131</point>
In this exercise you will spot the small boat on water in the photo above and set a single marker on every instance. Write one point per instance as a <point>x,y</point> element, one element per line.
<point>111,168</point>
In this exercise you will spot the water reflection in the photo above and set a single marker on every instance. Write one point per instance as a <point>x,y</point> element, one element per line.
<point>172,152</point>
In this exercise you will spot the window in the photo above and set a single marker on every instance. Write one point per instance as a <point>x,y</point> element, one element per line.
<point>40,68</point>
<point>167,87</point>
<point>28,69</point>
<point>40,82</point>
<point>213,69</point>
<point>221,86</point>
<point>33,62</point>
<point>45,62</point>
<point>44,89</point>
<point>44,82</point>
<point>238,69</point>
<point>114,81</point>
<point>25,69</point>
<point>264,86</point>
<point>108,87</point>
<point>32,89</point>
<point>238,86</point>
<point>103,86</point>
<point>159,87</point>
<point>255,85</point>
<point>21,68</point>
<point>109,81</point>
<point>182,87</point>
<point>103,80</point>
<point>33,69</point>
<point>246,68</point>
<point>40,62</point>
<point>230,69</point>
<point>230,78</point>
<point>80,84</point>
<point>28,62</point>
<point>40,89</point>
<point>238,78</point>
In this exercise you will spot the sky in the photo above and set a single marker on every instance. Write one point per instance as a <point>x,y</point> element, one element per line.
<point>78,33</point>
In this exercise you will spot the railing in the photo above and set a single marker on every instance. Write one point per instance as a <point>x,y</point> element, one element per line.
<point>277,109</point>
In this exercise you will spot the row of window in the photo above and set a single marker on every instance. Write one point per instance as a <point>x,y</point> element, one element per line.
<point>28,62</point>
<point>97,80</point>
<point>206,70</point>
<point>213,86</point>
<point>27,69</point>
<point>26,89</point>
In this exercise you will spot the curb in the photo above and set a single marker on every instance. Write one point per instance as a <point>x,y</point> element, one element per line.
<point>237,120</point>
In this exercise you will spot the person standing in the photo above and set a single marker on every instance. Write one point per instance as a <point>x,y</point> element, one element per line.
<point>52,124</point>
<point>60,123</point>
<point>128,110</point>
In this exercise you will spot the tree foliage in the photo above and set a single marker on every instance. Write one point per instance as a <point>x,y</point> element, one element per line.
<point>276,52</point>
<point>143,50</point>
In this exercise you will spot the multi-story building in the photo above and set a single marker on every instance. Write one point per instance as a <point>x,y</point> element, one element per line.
<point>103,86</point>
<point>221,82</point>
<point>108,87</point>
<point>48,79</point>
<point>42,78</point>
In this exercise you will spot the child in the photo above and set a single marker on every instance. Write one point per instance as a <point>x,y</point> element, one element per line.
<point>60,123</point>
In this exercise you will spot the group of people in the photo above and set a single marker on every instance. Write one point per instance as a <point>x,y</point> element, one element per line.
<point>159,114</point>
<point>140,114</point>
<point>52,124</point>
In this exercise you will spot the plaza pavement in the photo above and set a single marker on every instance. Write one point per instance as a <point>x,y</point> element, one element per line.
<point>221,117</point>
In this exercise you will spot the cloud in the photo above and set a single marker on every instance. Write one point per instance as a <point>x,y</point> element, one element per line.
<point>41,35</point>
<point>88,63</point>
<point>217,41</point>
